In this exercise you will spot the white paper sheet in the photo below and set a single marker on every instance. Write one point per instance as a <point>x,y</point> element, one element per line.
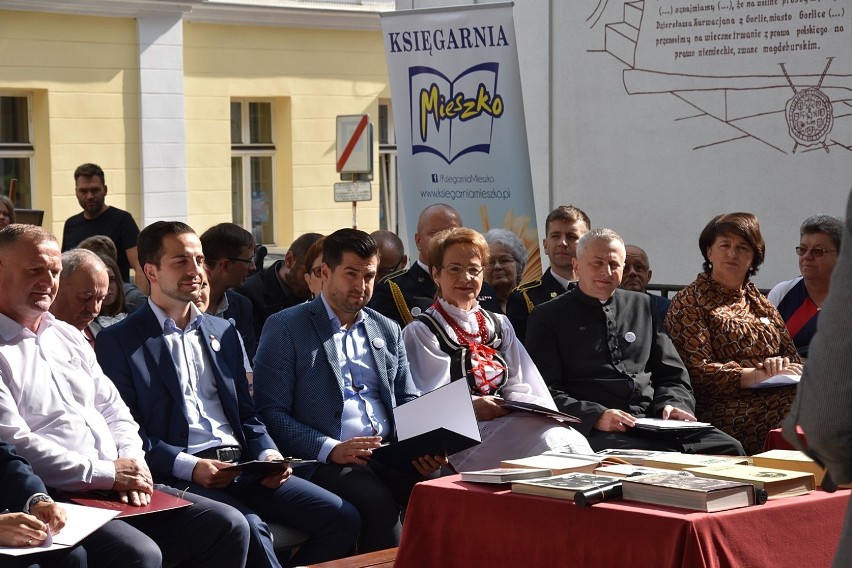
<point>449,406</point>
<point>80,523</point>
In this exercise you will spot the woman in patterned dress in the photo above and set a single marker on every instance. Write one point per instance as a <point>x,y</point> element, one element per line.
<point>731,337</point>
<point>455,339</point>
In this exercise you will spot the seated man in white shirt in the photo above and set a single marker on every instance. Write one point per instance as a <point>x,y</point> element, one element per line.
<point>66,418</point>
<point>84,286</point>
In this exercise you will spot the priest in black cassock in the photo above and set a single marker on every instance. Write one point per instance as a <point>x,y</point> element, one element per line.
<point>607,359</point>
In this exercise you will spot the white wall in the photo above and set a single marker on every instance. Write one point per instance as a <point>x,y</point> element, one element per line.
<point>657,166</point>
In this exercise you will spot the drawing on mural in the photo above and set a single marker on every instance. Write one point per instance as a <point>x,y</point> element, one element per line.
<point>735,61</point>
<point>809,113</point>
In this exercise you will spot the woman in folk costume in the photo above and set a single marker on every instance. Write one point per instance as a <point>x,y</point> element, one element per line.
<point>456,339</point>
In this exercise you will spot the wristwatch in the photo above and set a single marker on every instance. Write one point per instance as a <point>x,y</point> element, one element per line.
<point>35,499</point>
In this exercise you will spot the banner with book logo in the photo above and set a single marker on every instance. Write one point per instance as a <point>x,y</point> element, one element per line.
<point>459,119</point>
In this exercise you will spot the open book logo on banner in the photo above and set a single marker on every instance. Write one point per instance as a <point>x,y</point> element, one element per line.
<point>453,117</point>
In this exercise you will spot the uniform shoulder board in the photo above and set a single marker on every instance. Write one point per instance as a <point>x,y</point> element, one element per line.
<point>393,275</point>
<point>528,285</point>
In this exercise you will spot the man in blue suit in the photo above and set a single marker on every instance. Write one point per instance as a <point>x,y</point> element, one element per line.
<point>328,374</point>
<point>182,375</point>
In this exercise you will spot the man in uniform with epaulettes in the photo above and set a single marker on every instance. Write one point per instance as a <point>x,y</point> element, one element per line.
<point>562,229</point>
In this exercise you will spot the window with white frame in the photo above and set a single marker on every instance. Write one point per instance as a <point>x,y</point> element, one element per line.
<point>388,173</point>
<point>16,149</point>
<point>252,168</point>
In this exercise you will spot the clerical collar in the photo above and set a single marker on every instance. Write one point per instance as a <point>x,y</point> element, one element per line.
<point>591,300</point>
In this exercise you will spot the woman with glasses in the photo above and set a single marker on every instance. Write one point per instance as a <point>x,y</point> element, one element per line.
<point>508,260</point>
<point>455,339</point>
<point>800,300</point>
<point>731,338</point>
<point>313,268</point>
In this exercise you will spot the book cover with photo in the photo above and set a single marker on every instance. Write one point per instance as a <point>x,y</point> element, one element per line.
<point>563,486</point>
<point>676,460</point>
<point>793,460</point>
<point>685,492</point>
<point>632,470</point>
<point>776,482</point>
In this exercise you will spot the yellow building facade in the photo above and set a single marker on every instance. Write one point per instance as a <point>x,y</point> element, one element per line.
<point>194,113</point>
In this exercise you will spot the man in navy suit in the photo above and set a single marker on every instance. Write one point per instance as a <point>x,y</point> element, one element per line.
<point>328,374</point>
<point>28,514</point>
<point>182,375</point>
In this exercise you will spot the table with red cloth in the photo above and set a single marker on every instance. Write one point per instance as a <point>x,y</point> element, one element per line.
<point>451,523</point>
<point>775,440</point>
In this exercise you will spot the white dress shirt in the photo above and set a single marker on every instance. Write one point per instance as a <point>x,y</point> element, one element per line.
<point>59,409</point>
<point>364,412</point>
<point>208,424</point>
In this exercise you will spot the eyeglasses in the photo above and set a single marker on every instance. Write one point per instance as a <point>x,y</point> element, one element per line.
<point>248,261</point>
<point>815,252</point>
<point>502,261</point>
<point>317,271</point>
<point>457,270</point>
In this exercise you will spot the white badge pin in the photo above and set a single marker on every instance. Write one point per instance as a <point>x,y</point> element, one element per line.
<point>765,321</point>
<point>629,337</point>
<point>415,311</point>
<point>214,343</point>
<point>378,343</point>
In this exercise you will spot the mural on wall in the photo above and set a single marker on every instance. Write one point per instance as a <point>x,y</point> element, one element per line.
<point>749,66</point>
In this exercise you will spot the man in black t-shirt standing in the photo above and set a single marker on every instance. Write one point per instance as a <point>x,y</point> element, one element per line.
<point>98,218</point>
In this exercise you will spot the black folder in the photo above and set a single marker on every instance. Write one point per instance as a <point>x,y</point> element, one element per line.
<point>439,423</point>
<point>438,442</point>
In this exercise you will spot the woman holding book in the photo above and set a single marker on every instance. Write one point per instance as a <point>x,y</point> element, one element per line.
<point>456,339</point>
<point>731,338</point>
